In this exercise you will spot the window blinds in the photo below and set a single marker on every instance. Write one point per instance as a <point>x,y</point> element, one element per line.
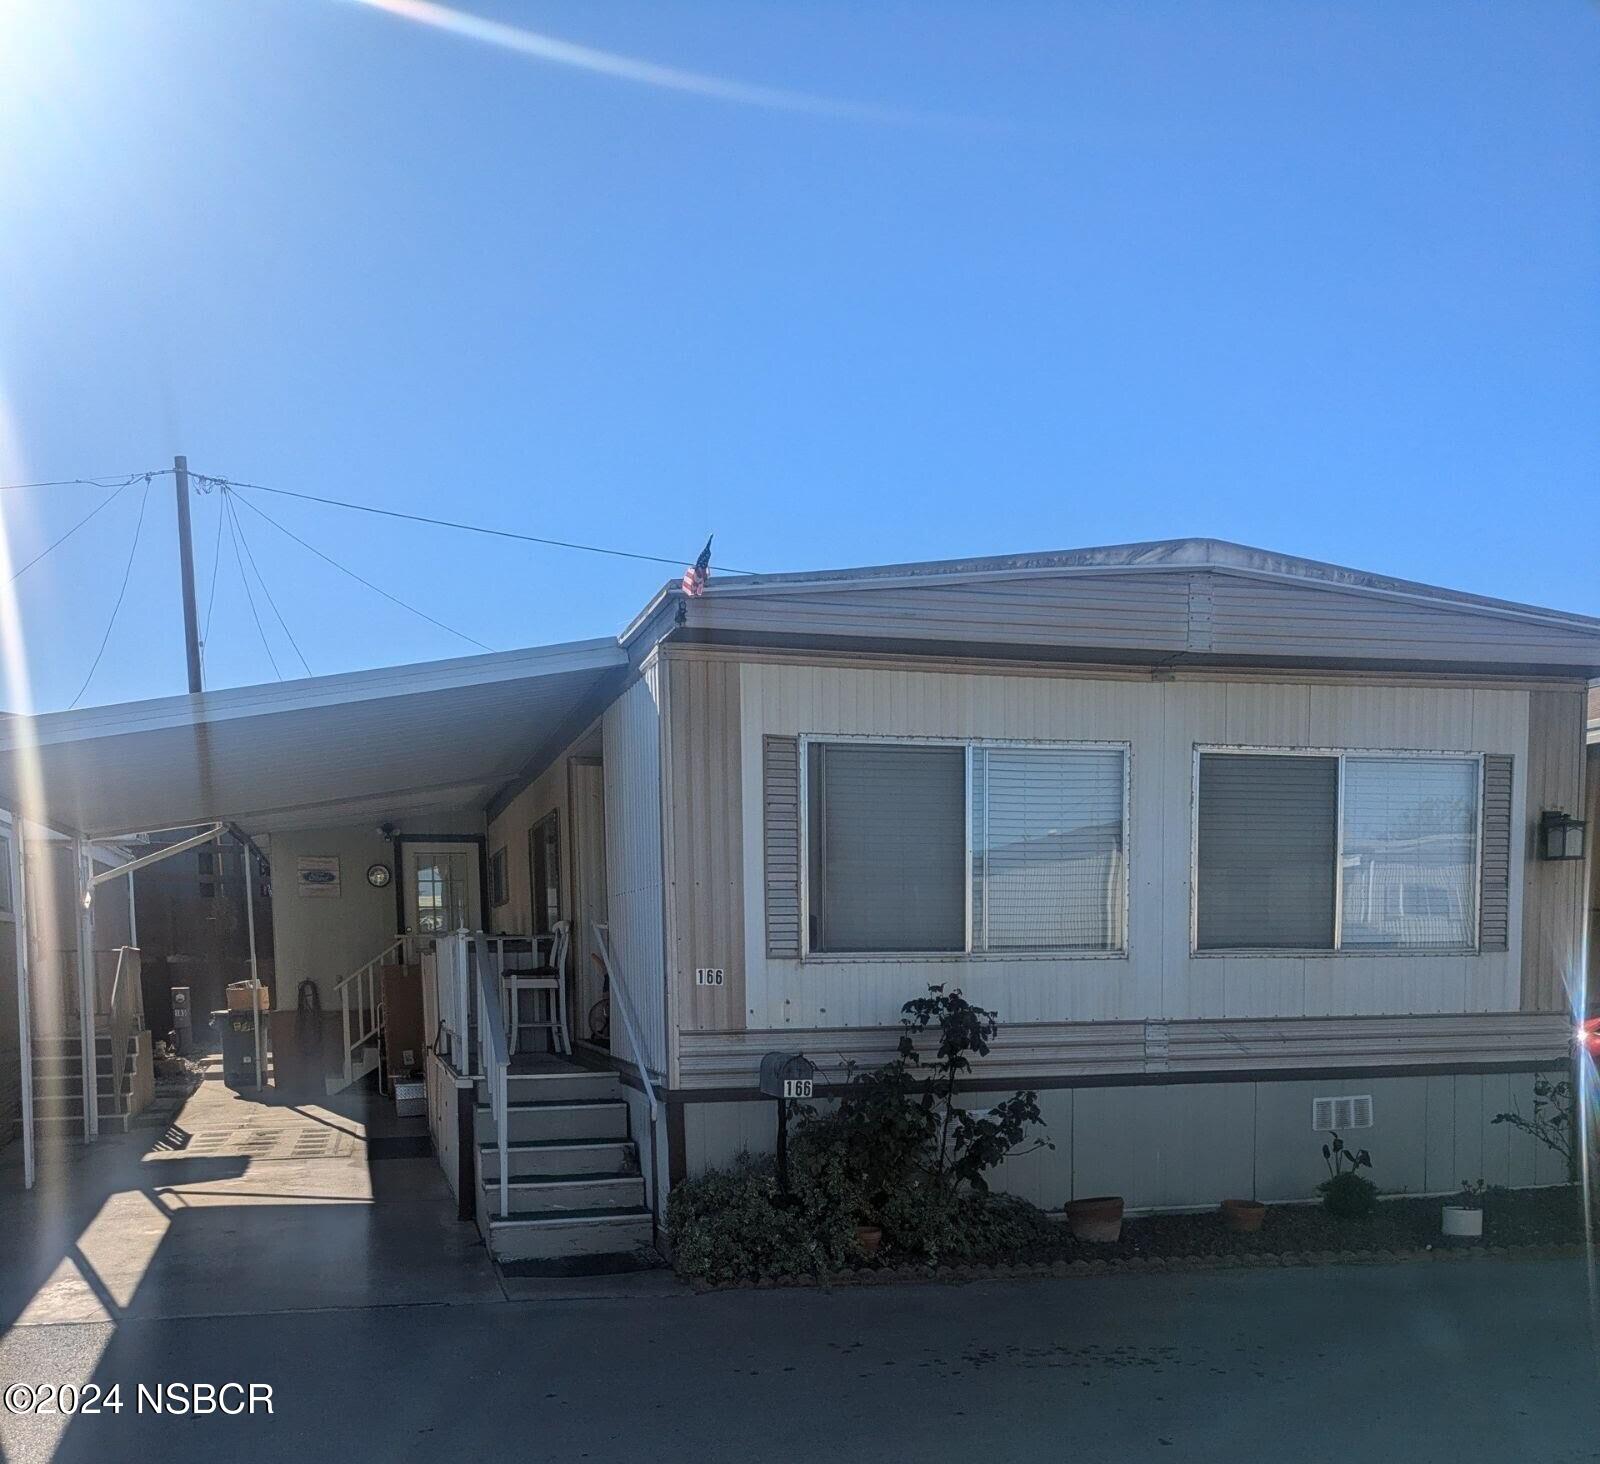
<point>1048,858</point>
<point>887,847</point>
<point>1267,832</point>
<point>1410,853</point>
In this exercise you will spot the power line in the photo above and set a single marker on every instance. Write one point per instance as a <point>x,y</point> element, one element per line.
<point>233,530</point>
<point>108,480</point>
<point>216,567</point>
<point>127,573</point>
<point>244,539</point>
<point>345,569</point>
<point>437,523</point>
<point>104,503</point>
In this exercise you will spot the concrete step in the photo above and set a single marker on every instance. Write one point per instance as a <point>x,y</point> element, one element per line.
<point>596,1233</point>
<point>602,1120</point>
<point>542,1158</point>
<point>570,1085</point>
<point>580,1194</point>
<point>70,1110</point>
<point>70,1126</point>
<point>70,1085</point>
<point>73,1046</point>
<point>46,1062</point>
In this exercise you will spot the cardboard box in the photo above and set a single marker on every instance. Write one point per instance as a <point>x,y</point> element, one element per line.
<point>239,997</point>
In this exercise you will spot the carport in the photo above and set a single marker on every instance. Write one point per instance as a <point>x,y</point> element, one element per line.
<point>369,747</point>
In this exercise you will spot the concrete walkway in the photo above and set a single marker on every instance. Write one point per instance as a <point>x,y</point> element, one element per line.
<point>266,1243</point>
<point>236,1203</point>
<point>1493,1362</point>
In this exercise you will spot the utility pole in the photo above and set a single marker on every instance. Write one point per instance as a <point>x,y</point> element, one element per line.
<point>191,621</point>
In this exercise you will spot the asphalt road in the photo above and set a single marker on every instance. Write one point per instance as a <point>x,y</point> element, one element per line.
<point>1492,1361</point>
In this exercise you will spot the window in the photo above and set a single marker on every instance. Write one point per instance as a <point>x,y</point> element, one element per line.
<point>5,875</point>
<point>1410,853</point>
<point>893,829</point>
<point>544,873</point>
<point>1048,864</point>
<point>499,889</point>
<point>1268,838</point>
<point>1338,851</point>
<point>887,847</point>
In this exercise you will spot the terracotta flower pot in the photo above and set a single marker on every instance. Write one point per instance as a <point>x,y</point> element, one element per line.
<point>1097,1220</point>
<point>869,1238</point>
<point>1243,1217</point>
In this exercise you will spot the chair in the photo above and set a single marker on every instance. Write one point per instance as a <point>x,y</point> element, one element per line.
<point>550,978</point>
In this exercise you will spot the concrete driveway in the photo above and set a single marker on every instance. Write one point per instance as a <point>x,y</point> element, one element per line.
<point>1493,1362</point>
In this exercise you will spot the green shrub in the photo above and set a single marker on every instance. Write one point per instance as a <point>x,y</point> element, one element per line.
<point>974,1226</point>
<point>1345,1192</point>
<point>1348,1195</point>
<point>734,1225</point>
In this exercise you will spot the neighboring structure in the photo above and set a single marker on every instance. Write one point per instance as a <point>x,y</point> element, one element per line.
<point>193,929</point>
<point>1219,833</point>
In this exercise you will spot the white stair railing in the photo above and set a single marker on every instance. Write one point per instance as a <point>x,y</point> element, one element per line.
<point>494,1050</point>
<point>360,996</point>
<point>122,1020</point>
<point>630,1026</point>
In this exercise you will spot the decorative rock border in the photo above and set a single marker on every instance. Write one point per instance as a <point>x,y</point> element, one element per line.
<point>1146,1265</point>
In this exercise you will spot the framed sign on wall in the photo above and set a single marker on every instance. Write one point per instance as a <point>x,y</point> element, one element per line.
<point>317,876</point>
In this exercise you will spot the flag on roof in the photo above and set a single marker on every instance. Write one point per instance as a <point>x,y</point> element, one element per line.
<point>694,578</point>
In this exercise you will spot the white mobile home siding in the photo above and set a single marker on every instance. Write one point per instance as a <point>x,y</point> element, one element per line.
<point>631,732</point>
<point>1163,721</point>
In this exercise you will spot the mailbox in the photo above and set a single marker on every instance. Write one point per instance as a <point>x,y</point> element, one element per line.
<point>788,1075</point>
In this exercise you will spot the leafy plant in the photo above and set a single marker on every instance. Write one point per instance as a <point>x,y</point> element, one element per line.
<point>733,1224</point>
<point>1346,1192</point>
<point>1470,1196</point>
<point>966,1142</point>
<point>1553,1123</point>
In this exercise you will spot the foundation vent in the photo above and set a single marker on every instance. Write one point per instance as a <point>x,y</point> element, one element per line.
<point>1329,1115</point>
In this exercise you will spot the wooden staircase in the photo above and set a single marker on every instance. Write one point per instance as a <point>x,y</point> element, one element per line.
<point>575,1195</point>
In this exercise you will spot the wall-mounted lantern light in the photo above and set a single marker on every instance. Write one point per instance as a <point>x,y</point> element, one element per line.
<point>1560,836</point>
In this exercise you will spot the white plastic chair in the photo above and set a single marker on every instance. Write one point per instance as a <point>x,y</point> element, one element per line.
<point>552,983</point>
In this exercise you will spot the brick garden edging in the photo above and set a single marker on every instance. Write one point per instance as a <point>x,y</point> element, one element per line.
<point>1148,1265</point>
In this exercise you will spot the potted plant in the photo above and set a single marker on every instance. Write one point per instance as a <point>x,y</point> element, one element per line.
<point>1345,1192</point>
<point>1097,1220</point>
<point>1243,1217</point>
<point>1463,1212</point>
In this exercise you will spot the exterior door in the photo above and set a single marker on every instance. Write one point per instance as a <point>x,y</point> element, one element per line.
<point>588,892</point>
<point>442,887</point>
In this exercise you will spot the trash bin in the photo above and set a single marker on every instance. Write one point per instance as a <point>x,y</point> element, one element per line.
<point>239,1046</point>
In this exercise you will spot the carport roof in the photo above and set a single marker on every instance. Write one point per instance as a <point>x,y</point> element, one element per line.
<point>392,743</point>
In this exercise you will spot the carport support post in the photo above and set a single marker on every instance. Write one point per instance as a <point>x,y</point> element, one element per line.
<point>83,899</point>
<point>19,916</point>
<point>255,978</point>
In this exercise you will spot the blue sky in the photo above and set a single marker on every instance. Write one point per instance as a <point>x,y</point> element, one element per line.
<point>1319,277</point>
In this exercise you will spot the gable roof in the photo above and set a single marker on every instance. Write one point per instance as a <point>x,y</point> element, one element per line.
<point>1178,601</point>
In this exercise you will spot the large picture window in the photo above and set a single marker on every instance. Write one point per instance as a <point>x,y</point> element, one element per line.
<point>892,831</point>
<point>1340,851</point>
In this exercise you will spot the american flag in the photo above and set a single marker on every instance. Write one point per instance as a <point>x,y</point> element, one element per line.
<point>694,578</point>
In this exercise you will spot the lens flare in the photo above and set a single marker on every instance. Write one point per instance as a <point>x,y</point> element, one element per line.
<point>549,48</point>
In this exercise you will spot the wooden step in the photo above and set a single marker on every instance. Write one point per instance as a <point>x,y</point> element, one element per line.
<point>621,1233</point>
<point>570,1194</point>
<point>536,1158</point>
<point>601,1120</point>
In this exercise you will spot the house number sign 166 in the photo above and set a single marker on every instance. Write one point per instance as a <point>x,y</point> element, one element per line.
<point>798,1087</point>
<point>708,976</point>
